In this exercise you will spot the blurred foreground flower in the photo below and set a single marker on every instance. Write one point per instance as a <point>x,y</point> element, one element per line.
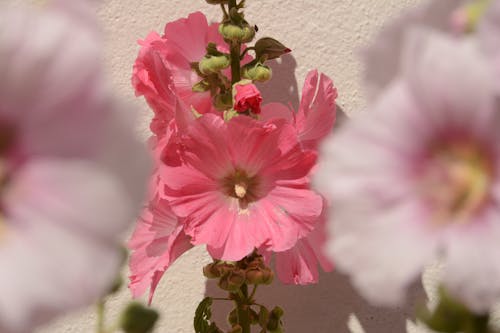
<point>72,174</point>
<point>418,178</point>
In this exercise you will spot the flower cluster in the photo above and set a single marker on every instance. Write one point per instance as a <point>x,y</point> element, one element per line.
<point>417,179</point>
<point>230,174</point>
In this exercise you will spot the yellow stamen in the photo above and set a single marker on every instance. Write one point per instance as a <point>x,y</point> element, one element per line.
<point>240,189</point>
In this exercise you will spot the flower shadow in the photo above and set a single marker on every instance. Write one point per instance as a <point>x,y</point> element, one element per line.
<point>282,88</point>
<point>324,307</point>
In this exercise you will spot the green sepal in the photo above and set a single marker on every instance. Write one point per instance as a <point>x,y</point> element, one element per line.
<point>268,48</point>
<point>201,86</point>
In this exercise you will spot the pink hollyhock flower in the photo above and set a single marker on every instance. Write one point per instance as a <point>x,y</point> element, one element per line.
<point>299,265</point>
<point>417,179</point>
<point>158,240</point>
<point>68,186</point>
<point>247,98</point>
<point>241,185</point>
<point>316,115</point>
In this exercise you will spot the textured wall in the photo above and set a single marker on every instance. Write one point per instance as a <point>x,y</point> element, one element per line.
<point>323,34</point>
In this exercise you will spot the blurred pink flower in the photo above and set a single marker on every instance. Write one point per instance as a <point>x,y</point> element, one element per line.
<point>383,56</point>
<point>488,32</point>
<point>417,179</point>
<point>317,111</point>
<point>242,185</point>
<point>247,98</point>
<point>68,186</point>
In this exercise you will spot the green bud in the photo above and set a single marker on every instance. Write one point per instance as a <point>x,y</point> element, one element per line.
<point>277,312</point>
<point>259,73</point>
<point>232,281</point>
<point>268,276</point>
<point>210,271</point>
<point>233,32</point>
<point>213,64</point>
<point>268,48</point>
<point>138,319</point>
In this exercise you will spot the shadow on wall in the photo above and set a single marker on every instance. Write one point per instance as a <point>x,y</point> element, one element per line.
<point>324,307</point>
<point>282,88</point>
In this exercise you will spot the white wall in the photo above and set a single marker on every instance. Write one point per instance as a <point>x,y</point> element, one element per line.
<point>322,34</point>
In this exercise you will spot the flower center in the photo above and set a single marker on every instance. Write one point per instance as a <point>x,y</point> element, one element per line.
<point>238,184</point>
<point>458,181</point>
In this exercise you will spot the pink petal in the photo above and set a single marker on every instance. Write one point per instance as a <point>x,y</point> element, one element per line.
<point>316,115</point>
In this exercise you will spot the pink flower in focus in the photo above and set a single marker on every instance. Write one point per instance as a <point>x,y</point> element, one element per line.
<point>242,185</point>
<point>68,186</point>
<point>418,178</point>
<point>158,240</point>
<point>316,115</point>
<point>299,265</point>
<point>247,98</point>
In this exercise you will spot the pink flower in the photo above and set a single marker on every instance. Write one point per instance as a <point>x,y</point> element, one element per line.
<point>158,240</point>
<point>299,265</point>
<point>316,115</point>
<point>68,186</point>
<point>247,98</point>
<point>242,185</point>
<point>417,179</point>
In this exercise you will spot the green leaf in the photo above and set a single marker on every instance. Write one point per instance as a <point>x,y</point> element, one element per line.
<point>136,318</point>
<point>202,316</point>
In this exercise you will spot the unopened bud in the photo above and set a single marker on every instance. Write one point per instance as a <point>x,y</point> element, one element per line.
<point>268,276</point>
<point>214,64</point>
<point>268,48</point>
<point>232,281</point>
<point>210,271</point>
<point>259,72</point>
<point>236,33</point>
<point>254,276</point>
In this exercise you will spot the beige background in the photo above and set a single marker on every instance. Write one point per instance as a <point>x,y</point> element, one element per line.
<point>322,34</point>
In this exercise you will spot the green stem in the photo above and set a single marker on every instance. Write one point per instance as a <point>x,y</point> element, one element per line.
<point>100,307</point>
<point>253,292</point>
<point>235,48</point>
<point>235,62</point>
<point>244,318</point>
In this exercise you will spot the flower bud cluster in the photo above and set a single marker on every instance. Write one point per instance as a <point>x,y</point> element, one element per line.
<point>232,275</point>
